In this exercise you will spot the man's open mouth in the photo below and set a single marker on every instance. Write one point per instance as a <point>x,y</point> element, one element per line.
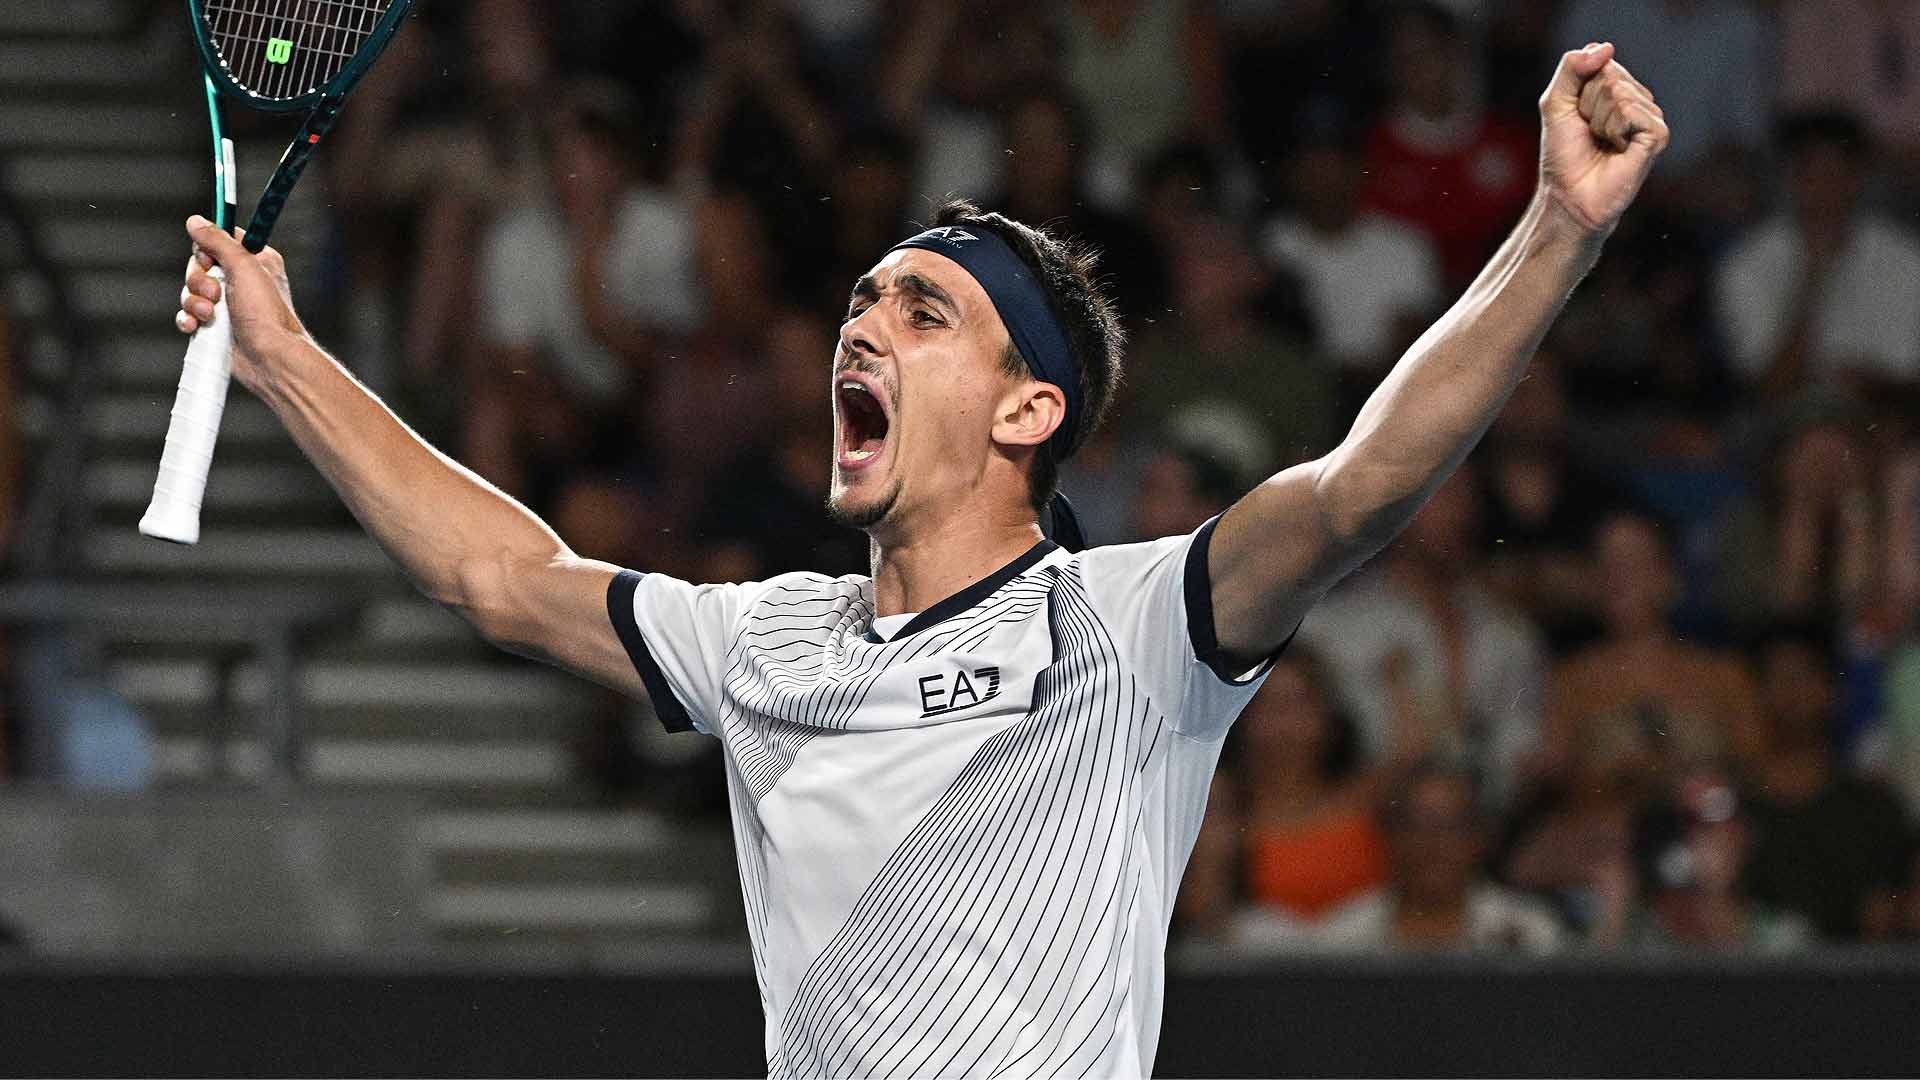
<point>863,418</point>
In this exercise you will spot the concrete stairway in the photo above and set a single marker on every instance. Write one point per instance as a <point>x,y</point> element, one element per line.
<point>103,136</point>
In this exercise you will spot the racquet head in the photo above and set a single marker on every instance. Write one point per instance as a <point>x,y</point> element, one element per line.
<point>285,55</point>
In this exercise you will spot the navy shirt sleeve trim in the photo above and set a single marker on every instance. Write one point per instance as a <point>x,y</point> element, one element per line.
<point>666,704</point>
<point>1200,627</point>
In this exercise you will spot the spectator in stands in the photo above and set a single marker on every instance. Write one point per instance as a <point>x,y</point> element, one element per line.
<point>1828,290</point>
<point>1901,576</point>
<point>1279,81</point>
<point>1805,542</point>
<point>1218,339</point>
<point>1676,701</point>
<point>1370,281</point>
<point>1691,850</point>
<point>1290,832</point>
<point>944,76</point>
<point>12,480</point>
<point>577,295</point>
<point>1428,658</point>
<point>441,137</point>
<point>1907,912</point>
<point>1863,55</point>
<point>1521,38</point>
<point>1900,722</point>
<point>770,508</point>
<point>1831,846</point>
<point>868,209</point>
<point>1436,895</point>
<point>1046,145</point>
<point>1148,73</point>
<point>726,370</point>
<point>1710,59</point>
<point>1180,188</point>
<point>1439,160</point>
<point>1542,504</point>
<point>1570,839</point>
<point>1193,473</point>
<point>758,124</point>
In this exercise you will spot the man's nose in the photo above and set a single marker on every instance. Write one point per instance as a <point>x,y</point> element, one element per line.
<point>859,336</point>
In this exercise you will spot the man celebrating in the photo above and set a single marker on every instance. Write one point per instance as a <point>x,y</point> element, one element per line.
<point>964,789</point>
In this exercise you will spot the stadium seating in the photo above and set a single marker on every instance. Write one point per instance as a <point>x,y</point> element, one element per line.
<point>102,142</point>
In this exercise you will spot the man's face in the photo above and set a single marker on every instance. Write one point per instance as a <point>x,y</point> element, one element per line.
<point>917,388</point>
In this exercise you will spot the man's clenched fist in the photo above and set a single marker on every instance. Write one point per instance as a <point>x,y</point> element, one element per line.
<point>1600,133</point>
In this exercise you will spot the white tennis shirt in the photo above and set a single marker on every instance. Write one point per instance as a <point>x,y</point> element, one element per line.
<point>958,847</point>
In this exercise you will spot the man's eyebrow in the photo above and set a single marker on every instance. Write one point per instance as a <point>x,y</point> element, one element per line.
<point>924,287</point>
<point>864,289</point>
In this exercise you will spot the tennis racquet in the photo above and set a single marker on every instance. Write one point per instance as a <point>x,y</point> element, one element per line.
<point>274,56</point>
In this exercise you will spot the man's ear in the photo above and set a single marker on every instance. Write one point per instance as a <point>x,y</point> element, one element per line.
<point>1029,414</point>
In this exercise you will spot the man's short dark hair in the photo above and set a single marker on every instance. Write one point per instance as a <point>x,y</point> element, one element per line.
<point>1067,269</point>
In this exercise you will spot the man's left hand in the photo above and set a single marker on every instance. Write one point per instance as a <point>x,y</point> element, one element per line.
<point>1600,134</point>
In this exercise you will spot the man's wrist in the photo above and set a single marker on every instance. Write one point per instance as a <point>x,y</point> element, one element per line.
<point>275,362</point>
<point>1558,225</point>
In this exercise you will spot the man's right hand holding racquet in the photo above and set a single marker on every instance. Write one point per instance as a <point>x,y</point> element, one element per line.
<point>462,541</point>
<point>260,300</point>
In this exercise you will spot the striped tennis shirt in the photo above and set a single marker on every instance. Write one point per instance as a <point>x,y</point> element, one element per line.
<point>958,842</point>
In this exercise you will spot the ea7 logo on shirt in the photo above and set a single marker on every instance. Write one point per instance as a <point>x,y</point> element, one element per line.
<point>961,690</point>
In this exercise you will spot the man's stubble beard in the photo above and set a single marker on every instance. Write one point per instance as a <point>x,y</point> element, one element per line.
<point>866,517</point>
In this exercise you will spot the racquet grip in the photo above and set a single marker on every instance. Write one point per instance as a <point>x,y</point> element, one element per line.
<point>174,513</point>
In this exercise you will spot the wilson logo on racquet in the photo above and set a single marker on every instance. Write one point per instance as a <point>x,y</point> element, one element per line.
<point>279,50</point>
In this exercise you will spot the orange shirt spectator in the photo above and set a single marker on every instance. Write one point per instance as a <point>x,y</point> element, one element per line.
<point>1290,832</point>
<point>1311,867</point>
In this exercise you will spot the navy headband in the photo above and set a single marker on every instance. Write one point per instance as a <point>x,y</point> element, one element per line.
<point>1022,304</point>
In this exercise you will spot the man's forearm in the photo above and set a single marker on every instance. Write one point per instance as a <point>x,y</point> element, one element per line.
<point>1439,399</point>
<point>448,529</point>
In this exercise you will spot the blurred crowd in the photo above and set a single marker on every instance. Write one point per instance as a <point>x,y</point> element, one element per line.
<point>1644,674</point>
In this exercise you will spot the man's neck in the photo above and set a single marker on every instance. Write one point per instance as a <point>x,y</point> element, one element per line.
<point>916,568</point>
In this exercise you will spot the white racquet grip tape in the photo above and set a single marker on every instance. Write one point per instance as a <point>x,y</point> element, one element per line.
<point>174,513</point>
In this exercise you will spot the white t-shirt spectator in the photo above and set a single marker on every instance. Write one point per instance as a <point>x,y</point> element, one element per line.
<point>1358,282</point>
<point>1497,920</point>
<point>526,286</point>
<point>1359,627</point>
<point>1867,318</point>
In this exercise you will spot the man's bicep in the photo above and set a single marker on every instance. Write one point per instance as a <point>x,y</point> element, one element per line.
<point>1272,556</point>
<point>563,618</point>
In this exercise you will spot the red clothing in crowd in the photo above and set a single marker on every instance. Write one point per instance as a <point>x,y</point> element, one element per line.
<point>1464,182</point>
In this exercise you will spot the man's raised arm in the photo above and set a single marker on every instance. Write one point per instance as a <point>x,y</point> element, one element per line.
<point>462,541</point>
<point>1281,547</point>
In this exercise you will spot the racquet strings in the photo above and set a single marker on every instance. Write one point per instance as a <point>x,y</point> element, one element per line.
<point>286,49</point>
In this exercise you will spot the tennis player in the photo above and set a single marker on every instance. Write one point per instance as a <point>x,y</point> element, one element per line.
<point>964,788</point>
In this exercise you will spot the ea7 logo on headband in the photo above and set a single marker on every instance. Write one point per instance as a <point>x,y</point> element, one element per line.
<point>952,234</point>
<point>961,690</point>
